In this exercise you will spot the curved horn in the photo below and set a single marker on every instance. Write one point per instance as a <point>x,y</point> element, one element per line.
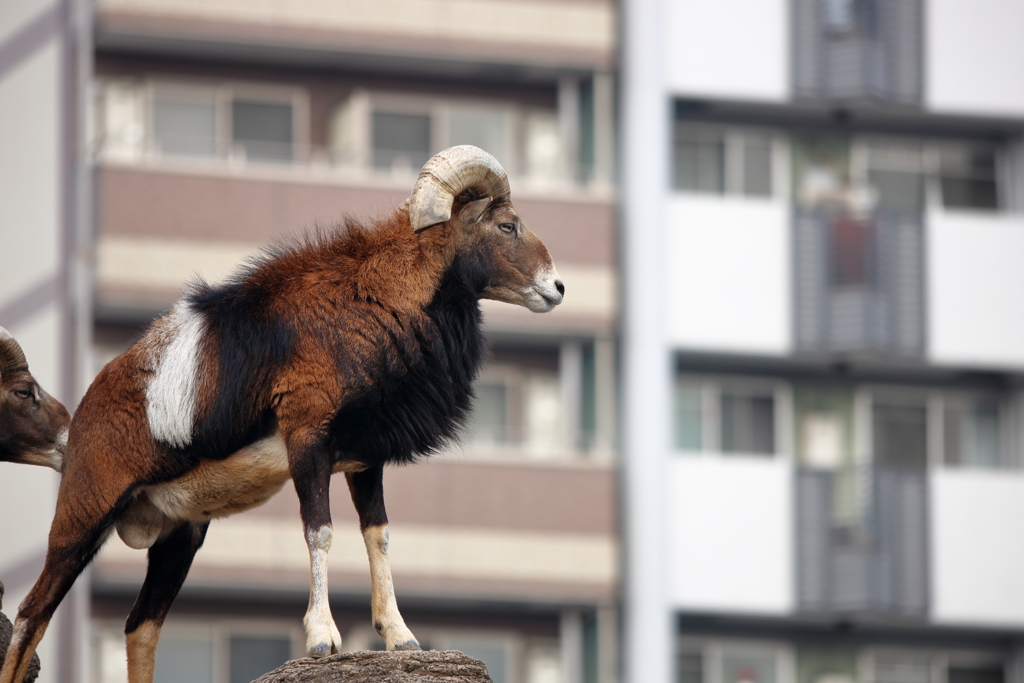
<point>11,356</point>
<point>448,174</point>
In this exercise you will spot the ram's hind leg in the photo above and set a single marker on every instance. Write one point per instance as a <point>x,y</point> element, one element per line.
<point>169,561</point>
<point>367,489</point>
<point>78,530</point>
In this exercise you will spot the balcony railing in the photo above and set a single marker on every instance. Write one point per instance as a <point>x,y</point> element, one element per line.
<point>858,282</point>
<point>256,156</point>
<point>862,541</point>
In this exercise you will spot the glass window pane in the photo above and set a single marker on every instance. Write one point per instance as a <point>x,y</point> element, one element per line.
<point>757,166</point>
<point>263,129</point>
<point>543,145</point>
<point>400,140</point>
<point>748,423</point>
<point>699,161</point>
<point>738,668</point>
<point>489,420</point>
<point>183,660</point>
<point>491,653</point>
<point>968,177</point>
<point>687,418</point>
<point>487,129</point>
<point>542,411</point>
<point>899,668</point>
<point>253,656</point>
<point>900,435</point>
<point>971,434</point>
<point>689,667</point>
<point>185,127</point>
<point>898,191</point>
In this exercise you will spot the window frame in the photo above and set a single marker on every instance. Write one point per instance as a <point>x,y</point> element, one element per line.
<point>734,139</point>
<point>713,651</point>
<point>934,401</point>
<point>362,104</point>
<point>711,389</point>
<point>216,630</point>
<point>222,93</point>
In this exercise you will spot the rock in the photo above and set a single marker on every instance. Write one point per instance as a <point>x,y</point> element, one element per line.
<point>419,666</point>
<point>6,628</point>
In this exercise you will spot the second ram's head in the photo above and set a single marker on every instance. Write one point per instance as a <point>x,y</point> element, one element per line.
<point>33,424</point>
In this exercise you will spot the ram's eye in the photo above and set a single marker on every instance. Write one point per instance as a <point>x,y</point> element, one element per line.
<point>23,393</point>
<point>507,227</point>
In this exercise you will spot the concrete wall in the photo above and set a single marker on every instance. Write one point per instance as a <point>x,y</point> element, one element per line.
<point>977,557</point>
<point>731,534</point>
<point>973,57</point>
<point>975,289</point>
<point>733,49</point>
<point>31,225</point>
<point>729,280</point>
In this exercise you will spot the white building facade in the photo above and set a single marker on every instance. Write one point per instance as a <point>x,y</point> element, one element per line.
<point>842,218</point>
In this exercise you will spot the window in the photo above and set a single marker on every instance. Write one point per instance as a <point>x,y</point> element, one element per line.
<point>183,659</point>
<point>400,140</point>
<point>185,123</point>
<point>688,417</point>
<point>971,435</point>
<point>731,662</point>
<point>252,656</point>
<point>717,161</point>
<point>748,422</point>
<point>699,161</point>
<point>519,405</point>
<point>731,417</point>
<point>395,132</point>
<point>486,128</point>
<point>211,651</point>
<point>262,129</point>
<point>896,175</point>
<point>193,121</point>
<point>900,434</point>
<point>968,177</point>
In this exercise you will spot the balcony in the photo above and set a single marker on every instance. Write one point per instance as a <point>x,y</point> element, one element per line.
<point>862,541</point>
<point>858,282</point>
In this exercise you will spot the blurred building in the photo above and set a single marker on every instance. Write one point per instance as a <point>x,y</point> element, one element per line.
<point>844,224</point>
<point>215,128</point>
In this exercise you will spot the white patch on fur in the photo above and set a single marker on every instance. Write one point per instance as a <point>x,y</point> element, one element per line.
<point>544,294</point>
<point>386,618</point>
<point>173,393</point>
<point>322,635</point>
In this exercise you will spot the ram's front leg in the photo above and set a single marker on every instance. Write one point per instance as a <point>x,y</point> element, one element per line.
<point>310,466</point>
<point>367,489</point>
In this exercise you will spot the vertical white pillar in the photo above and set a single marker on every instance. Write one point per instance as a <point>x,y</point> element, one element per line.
<point>570,637</point>
<point>646,365</point>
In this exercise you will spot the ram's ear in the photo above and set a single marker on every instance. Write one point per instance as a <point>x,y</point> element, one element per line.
<point>472,212</point>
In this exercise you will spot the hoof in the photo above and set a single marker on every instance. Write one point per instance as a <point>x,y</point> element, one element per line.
<point>323,640</point>
<point>320,650</point>
<point>410,644</point>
